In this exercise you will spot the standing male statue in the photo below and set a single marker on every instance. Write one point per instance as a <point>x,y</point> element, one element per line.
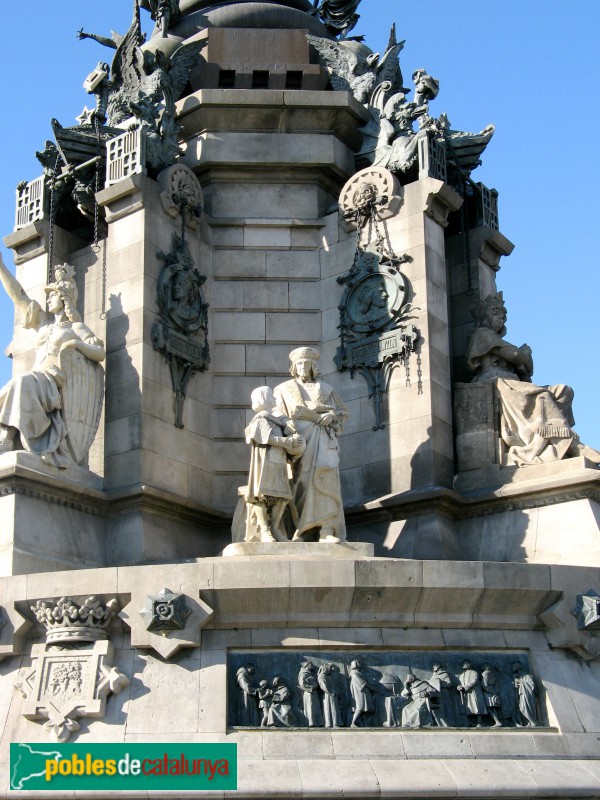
<point>318,415</point>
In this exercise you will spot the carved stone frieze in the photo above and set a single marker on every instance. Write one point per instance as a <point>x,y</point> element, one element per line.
<point>65,685</point>
<point>48,497</point>
<point>288,689</point>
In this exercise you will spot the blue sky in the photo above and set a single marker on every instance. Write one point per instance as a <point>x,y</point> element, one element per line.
<point>531,67</point>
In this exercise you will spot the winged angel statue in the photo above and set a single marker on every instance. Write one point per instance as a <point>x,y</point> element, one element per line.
<point>146,85</point>
<point>389,137</point>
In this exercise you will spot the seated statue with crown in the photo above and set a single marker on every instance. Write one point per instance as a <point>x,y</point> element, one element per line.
<point>536,422</point>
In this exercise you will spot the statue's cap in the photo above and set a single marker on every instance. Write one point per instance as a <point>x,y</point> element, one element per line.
<point>304,352</point>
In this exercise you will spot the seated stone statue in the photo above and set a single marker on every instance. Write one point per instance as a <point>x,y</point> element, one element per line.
<point>54,409</point>
<point>536,422</point>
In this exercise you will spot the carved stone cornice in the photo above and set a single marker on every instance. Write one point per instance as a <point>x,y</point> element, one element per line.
<point>149,498</point>
<point>321,112</point>
<point>490,245</point>
<point>19,479</point>
<point>441,201</point>
<point>582,486</point>
<point>125,197</point>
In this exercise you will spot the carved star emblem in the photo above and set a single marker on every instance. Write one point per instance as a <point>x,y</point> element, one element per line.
<point>587,611</point>
<point>85,118</point>
<point>165,612</point>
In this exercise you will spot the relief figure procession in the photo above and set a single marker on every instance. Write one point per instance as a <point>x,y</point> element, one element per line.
<point>327,695</point>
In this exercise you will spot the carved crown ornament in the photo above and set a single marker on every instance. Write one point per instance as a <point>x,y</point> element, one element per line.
<point>68,621</point>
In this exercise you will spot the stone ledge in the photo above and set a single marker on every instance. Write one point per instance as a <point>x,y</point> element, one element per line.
<point>499,481</point>
<point>23,473</point>
<point>374,778</point>
<point>273,110</point>
<point>295,550</point>
<point>357,599</point>
<point>537,490</point>
<point>329,778</point>
<point>260,222</point>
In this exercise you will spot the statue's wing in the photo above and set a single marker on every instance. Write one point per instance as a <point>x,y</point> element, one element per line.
<point>339,60</point>
<point>82,395</point>
<point>182,60</point>
<point>388,68</point>
<point>125,69</point>
<point>116,37</point>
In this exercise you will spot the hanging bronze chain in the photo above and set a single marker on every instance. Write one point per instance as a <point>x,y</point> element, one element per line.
<point>419,372</point>
<point>103,284</point>
<point>96,246</point>
<point>52,212</point>
<point>406,358</point>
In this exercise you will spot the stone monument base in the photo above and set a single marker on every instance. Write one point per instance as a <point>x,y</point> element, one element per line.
<point>374,612</point>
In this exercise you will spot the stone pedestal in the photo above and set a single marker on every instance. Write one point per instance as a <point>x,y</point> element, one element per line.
<point>295,550</point>
<point>51,519</point>
<point>366,611</point>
